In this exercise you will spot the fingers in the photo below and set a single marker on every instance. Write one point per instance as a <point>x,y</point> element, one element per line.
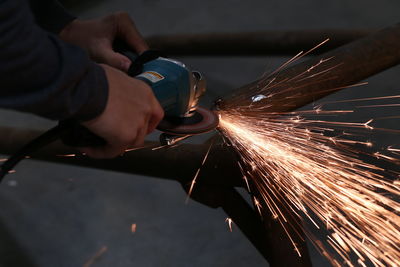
<point>115,59</point>
<point>126,30</point>
<point>155,118</point>
<point>141,134</point>
<point>131,112</point>
<point>118,147</point>
<point>117,26</point>
<point>115,150</point>
<point>152,124</point>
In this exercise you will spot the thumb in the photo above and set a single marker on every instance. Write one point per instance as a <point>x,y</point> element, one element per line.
<point>115,60</point>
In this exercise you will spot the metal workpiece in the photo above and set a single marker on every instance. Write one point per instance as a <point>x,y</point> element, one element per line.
<point>335,70</point>
<point>252,43</point>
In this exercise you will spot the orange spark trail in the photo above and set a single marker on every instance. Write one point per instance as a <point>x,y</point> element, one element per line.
<point>296,165</point>
<point>379,106</point>
<point>229,221</point>
<point>133,228</point>
<point>363,99</point>
<point>198,172</point>
<point>67,155</point>
<point>95,257</point>
<point>301,168</point>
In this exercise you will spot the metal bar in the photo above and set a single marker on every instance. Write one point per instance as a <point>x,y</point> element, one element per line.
<point>347,65</point>
<point>252,43</point>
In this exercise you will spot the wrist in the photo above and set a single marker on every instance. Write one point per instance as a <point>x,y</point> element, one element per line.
<point>97,96</point>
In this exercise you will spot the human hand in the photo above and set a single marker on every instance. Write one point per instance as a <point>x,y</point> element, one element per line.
<point>132,111</point>
<point>97,36</point>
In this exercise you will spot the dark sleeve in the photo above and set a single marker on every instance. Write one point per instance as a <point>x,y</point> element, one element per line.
<point>50,15</point>
<point>43,75</point>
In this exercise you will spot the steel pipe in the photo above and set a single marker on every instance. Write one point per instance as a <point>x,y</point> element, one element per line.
<point>347,65</point>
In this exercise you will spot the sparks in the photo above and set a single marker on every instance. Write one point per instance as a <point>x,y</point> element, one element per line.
<point>390,148</point>
<point>229,222</point>
<point>67,155</point>
<point>310,169</point>
<point>288,163</point>
<point>96,257</point>
<point>194,180</point>
<point>133,228</point>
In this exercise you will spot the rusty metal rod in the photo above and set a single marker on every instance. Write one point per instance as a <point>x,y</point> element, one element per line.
<point>252,43</point>
<point>350,64</point>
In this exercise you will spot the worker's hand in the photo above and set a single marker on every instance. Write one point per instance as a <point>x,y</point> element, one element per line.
<point>98,35</point>
<point>132,111</point>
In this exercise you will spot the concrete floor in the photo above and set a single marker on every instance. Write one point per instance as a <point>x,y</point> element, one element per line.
<point>62,215</point>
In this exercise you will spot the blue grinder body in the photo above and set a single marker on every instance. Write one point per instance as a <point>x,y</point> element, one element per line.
<point>170,82</point>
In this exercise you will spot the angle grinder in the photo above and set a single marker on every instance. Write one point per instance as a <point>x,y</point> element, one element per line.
<point>176,87</point>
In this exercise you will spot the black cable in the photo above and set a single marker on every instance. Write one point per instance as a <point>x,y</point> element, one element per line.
<point>46,138</point>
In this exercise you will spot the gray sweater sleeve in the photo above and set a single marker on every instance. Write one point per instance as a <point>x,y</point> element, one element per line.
<point>43,75</point>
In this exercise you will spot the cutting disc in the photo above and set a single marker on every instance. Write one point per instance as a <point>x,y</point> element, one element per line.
<point>202,121</point>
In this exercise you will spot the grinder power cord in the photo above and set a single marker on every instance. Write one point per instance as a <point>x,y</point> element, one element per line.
<point>177,88</point>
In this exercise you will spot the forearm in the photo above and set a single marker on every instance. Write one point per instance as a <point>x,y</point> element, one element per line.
<point>43,75</point>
